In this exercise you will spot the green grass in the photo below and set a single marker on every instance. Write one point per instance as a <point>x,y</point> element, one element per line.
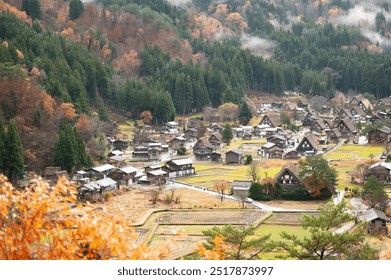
<point>275,231</point>
<point>355,151</point>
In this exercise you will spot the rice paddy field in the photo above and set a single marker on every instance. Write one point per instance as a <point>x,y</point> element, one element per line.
<point>210,172</point>
<point>355,152</point>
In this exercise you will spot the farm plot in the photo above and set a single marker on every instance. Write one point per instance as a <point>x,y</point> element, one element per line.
<point>210,217</point>
<point>208,172</point>
<point>284,218</point>
<point>275,231</point>
<point>355,152</point>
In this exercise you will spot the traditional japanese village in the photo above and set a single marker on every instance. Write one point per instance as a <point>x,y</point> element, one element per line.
<point>178,141</point>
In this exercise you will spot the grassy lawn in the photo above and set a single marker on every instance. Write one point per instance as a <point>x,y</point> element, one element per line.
<point>275,231</point>
<point>355,152</point>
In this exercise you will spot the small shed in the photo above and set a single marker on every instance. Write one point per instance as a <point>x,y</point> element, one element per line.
<point>233,156</point>
<point>377,221</point>
<point>241,188</point>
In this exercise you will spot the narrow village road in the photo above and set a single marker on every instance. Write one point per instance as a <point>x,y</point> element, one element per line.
<point>257,204</point>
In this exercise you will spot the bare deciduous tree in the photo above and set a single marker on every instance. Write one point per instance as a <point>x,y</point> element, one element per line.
<point>221,187</point>
<point>253,171</point>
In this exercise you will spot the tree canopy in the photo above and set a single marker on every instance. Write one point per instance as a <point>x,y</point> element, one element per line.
<point>316,175</point>
<point>43,225</point>
<point>323,242</point>
<point>238,243</point>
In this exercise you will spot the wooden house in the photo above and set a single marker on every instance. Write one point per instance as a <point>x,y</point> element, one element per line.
<point>50,173</point>
<point>279,140</point>
<point>216,156</point>
<point>272,150</point>
<point>125,175</point>
<point>308,146</point>
<point>215,127</point>
<point>303,103</point>
<point>95,188</point>
<point>328,123</point>
<point>141,152</point>
<point>333,135</point>
<point>101,171</point>
<point>154,153</point>
<point>381,170</point>
<point>120,144</point>
<point>157,177</point>
<point>241,189</point>
<point>271,120</point>
<point>117,160</point>
<point>377,221</point>
<point>347,128</point>
<point>288,177</point>
<point>191,133</point>
<point>379,135</point>
<point>318,126</point>
<point>345,113</point>
<point>290,106</point>
<point>309,120</point>
<point>216,139</point>
<point>179,167</point>
<point>357,111</point>
<point>365,105</point>
<point>202,149</point>
<point>291,155</point>
<point>178,142</point>
<point>259,130</point>
<point>233,157</point>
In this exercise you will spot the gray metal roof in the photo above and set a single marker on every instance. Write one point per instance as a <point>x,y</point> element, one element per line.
<point>241,184</point>
<point>128,169</point>
<point>373,214</point>
<point>106,182</point>
<point>104,167</point>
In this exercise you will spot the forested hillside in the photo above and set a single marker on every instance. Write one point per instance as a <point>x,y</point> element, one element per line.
<point>176,57</point>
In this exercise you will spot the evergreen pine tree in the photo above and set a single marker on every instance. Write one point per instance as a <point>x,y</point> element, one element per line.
<point>76,8</point>
<point>227,134</point>
<point>35,9</point>
<point>14,152</point>
<point>64,150</point>
<point>244,114</point>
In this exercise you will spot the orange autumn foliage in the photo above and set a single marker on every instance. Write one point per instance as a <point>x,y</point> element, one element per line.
<point>20,54</point>
<point>237,21</point>
<point>5,7</point>
<point>45,222</point>
<point>216,253</point>
<point>67,111</point>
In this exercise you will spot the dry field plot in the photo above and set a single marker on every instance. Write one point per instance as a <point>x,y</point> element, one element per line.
<point>209,217</point>
<point>284,218</point>
<point>305,205</point>
<point>135,204</point>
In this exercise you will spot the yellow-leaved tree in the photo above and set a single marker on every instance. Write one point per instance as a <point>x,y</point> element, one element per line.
<point>46,222</point>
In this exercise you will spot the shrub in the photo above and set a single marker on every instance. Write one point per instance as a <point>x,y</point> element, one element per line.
<point>299,194</point>
<point>181,151</point>
<point>248,159</point>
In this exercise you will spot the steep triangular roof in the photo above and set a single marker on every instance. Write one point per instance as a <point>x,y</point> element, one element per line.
<point>290,167</point>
